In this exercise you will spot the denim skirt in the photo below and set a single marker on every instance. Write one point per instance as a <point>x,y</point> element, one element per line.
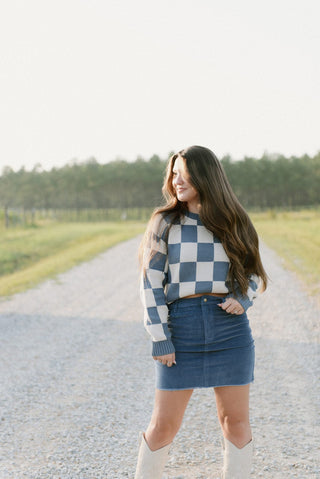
<point>213,348</point>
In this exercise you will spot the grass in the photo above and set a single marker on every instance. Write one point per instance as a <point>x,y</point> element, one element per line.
<point>295,236</point>
<point>30,255</point>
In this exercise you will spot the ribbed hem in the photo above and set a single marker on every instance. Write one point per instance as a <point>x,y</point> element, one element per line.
<point>160,348</point>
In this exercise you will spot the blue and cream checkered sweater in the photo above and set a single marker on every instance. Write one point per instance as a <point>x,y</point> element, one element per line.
<point>189,260</point>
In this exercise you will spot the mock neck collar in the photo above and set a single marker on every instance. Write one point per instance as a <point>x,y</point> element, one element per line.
<point>194,216</point>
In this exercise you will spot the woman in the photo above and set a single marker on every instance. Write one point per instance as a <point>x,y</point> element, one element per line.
<point>201,269</point>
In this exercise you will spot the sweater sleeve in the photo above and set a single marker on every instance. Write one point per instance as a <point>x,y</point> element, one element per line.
<point>246,300</point>
<point>153,296</point>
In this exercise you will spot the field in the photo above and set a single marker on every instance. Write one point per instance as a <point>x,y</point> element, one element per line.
<point>295,236</point>
<point>31,254</point>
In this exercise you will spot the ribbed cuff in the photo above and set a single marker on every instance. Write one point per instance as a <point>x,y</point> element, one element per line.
<point>160,348</point>
<point>243,300</point>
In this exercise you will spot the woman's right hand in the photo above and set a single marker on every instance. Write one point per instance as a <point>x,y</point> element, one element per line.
<point>167,359</point>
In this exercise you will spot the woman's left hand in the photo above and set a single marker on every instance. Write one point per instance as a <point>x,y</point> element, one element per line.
<point>166,359</point>
<point>232,306</point>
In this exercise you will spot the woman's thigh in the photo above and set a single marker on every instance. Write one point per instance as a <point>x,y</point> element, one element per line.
<point>168,411</point>
<point>169,406</point>
<point>233,401</point>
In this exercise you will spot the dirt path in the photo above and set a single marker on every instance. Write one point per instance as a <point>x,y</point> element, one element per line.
<point>77,380</point>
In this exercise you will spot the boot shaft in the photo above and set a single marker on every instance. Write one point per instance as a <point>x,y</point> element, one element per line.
<point>237,462</point>
<point>151,463</point>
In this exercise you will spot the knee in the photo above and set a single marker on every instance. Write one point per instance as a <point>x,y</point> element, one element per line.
<point>233,423</point>
<point>163,429</point>
<point>236,429</point>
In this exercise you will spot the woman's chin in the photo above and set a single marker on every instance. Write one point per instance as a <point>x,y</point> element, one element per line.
<point>182,198</point>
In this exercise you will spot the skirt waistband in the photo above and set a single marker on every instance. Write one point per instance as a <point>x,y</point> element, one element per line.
<point>219,295</point>
<point>196,300</point>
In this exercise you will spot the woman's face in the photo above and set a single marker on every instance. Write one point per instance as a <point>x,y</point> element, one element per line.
<point>181,183</point>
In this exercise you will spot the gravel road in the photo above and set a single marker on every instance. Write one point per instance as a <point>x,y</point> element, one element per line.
<point>76,379</point>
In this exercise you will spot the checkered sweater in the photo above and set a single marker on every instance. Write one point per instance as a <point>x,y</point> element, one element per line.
<point>189,260</point>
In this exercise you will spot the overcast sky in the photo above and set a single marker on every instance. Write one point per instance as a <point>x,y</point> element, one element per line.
<point>122,78</point>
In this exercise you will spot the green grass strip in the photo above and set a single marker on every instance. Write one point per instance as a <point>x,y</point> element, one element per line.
<point>29,256</point>
<point>295,236</point>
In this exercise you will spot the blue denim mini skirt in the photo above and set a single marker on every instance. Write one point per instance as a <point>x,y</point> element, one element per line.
<point>213,348</point>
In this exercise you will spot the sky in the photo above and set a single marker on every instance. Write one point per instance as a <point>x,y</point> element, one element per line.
<point>126,78</point>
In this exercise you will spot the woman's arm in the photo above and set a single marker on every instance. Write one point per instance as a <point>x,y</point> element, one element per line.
<point>152,284</point>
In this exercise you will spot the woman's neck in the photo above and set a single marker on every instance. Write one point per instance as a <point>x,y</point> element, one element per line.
<point>194,207</point>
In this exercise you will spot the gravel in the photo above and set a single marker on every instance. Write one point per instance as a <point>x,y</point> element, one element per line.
<point>77,379</point>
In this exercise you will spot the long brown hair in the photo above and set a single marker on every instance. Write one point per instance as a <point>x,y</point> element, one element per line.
<point>221,213</point>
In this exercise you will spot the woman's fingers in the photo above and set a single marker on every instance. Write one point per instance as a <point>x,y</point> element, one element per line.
<point>232,306</point>
<point>166,360</point>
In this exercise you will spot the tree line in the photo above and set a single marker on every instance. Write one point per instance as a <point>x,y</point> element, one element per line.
<point>267,182</point>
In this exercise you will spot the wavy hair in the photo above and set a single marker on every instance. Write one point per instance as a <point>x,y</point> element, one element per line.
<point>221,213</point>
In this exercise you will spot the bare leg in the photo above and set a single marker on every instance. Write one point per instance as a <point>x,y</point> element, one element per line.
<point>168,412</point>
<point>233,413</point>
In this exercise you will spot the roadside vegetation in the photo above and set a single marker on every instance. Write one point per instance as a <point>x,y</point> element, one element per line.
<point>30,255</point>
<point>295,236</point>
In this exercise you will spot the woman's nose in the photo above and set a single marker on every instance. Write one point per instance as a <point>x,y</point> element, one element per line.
<point>179,180</point>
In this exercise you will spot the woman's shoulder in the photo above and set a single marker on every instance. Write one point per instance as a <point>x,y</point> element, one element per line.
<point>167,218</point>
<point>173,217</point>
<point>162,221</point>
<point>158,224</point>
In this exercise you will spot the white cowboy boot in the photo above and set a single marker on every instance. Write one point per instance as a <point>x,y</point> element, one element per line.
<point>151,463</point>
<point>237,462</point>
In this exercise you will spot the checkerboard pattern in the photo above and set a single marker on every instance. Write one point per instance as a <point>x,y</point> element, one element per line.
<point>190,261</point>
